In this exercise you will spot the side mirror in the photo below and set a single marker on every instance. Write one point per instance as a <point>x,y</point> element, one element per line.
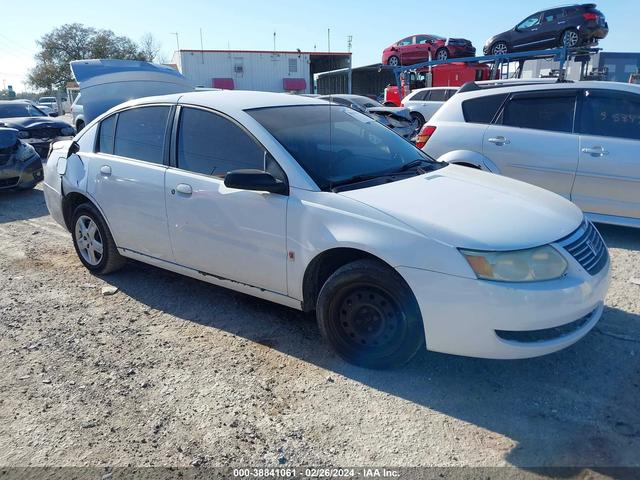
<point>73,148</point>
<point>257,180</point>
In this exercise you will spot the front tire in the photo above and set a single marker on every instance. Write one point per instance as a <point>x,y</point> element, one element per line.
<point>499,48</point>
<point>442,54</point>
<point>369,315</point>
<point>93,241</point>
<point>393,61</point>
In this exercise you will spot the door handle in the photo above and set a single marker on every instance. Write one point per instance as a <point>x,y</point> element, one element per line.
<point>105,170</point>
<point>595,151</point>
<point>184,189</point>
<point>499,141</point>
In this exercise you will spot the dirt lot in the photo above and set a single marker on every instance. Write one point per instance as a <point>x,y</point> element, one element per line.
<point>172,371</point>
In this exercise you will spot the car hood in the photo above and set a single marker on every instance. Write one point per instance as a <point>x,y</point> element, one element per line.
<point>107,83</point>
<point>26,123</point>
<point>467,208</point>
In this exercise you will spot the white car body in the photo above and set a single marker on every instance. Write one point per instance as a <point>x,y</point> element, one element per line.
<point>420,101</point>
<point>599,173</point>
<point>77,113</point>
<point>263,244</point>
<point>50,102</point>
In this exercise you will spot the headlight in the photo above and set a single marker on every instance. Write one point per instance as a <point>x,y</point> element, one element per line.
<point>23,134</point>
<point>532,265</point>
<point>25,152</point>
<point>68,131</point>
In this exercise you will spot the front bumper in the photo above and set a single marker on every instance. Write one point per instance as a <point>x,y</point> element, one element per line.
<point>468,317</point>
<point>18,175</point>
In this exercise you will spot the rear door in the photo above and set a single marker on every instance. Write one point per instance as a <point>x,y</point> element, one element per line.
<point>608,177</point>
<point>126,178</point>
<point>550,27</point>
<point>532,139</point>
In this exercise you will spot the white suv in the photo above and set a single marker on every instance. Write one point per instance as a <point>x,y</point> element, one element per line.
<point>580,140</point>
<point>424,102</point>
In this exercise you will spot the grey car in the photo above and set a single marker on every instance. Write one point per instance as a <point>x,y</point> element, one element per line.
<point>397,119</point>
<point>20,165</point>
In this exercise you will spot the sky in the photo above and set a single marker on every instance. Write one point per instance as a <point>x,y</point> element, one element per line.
<point>250,24</point>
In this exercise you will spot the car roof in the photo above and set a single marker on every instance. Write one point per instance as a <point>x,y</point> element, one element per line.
<point>227,100</point>
<point>434,88</point>
<point>13,102</point>
<point>623,87</point>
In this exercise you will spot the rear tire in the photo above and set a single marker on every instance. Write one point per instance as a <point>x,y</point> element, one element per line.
<point>570,38</point>
<point>93,241</point>
<point>369,315</point>
<point>499,48</point>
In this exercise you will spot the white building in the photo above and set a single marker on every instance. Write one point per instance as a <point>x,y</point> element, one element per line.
<point>269,71</point>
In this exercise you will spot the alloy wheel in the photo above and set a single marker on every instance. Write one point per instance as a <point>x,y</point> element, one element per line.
<point>393,61</point>
<point>499,48</point>
<point>570,38</point>
<point>88,239</point>
<point>442,54</point>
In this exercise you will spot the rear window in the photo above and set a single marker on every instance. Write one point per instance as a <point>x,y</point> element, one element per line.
<point>438,96</point>
<point>541,112</point>
<point>483,109</point>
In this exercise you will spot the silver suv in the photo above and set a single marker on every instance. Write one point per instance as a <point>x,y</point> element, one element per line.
<point>580,140</point>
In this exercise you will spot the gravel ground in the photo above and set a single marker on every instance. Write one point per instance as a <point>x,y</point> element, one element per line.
<point>171,371</point>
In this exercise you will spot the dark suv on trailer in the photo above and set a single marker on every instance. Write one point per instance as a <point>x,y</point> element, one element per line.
<point>573,26</point>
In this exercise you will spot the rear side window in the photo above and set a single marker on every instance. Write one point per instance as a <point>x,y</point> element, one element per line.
<point>483,109</point>
<point>211,144</point>
<point>140,133</point>
<point>107,134</point>
<point>541,112</point>
<point>610,114</point>
<point>438,96</point>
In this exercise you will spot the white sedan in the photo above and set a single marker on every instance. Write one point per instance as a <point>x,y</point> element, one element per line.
<point>318,207</point>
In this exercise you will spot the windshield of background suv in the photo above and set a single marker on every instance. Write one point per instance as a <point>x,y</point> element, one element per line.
<point>47,100</point>
<point>20,110</point>
<point>335,143</point>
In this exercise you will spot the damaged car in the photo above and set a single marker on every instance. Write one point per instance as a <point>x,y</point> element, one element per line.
<point>33,125</point>
<point>398,119</point>
<point>20,165</point>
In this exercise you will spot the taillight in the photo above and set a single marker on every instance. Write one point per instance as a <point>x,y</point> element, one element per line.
<point>425,134</point>
<point>590,17</point>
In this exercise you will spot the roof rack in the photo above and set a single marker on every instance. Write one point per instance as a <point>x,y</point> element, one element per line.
<point>485,85</point>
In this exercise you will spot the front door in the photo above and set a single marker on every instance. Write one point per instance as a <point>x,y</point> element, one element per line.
<point>126,177</point>
<point>233,234</point>
<point>526,35</point>
<point>608,177</point>
<point>533,140</point>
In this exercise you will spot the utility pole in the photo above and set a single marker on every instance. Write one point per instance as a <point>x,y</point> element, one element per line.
<point>329,40</point>
<point>349,73</point>
<point>274,40</point>
<point>201,47</point>
<point>177,39</point>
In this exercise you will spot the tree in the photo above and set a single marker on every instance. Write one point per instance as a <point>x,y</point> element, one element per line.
<point>78,42</point>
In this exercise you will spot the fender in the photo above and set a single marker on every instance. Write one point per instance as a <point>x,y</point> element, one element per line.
<point>469,157</point>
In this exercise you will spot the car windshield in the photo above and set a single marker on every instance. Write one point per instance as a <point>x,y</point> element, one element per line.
<point>336,144</point>
<point>20,110</point>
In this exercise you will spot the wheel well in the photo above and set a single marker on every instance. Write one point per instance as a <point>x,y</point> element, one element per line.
<point>78,123</point>
<point>322,267</point>
<point>69,204</point>
<point>417,114</point>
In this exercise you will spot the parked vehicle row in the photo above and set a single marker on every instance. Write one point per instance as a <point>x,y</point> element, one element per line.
<point>316,206</point>
<point>580,140</point>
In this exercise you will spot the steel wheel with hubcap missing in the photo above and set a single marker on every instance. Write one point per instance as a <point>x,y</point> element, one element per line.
<point>570,38</point>
<point>500,48</point>
<point>369,315</point>
<point>89,240</point>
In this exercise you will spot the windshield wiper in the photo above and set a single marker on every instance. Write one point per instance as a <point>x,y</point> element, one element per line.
<point>415,164</point>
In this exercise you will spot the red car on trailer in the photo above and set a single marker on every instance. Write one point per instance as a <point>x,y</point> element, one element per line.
<point>422,47</point>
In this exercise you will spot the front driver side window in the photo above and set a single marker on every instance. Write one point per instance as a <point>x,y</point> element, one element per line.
<point>529,22</point>
<point>211,144</point>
